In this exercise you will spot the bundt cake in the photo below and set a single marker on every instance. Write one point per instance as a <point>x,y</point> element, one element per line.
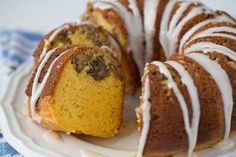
<point>78,89</point>
<point>188,83</point>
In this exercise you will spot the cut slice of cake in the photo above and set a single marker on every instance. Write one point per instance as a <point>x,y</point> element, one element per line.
<point>78,89</point>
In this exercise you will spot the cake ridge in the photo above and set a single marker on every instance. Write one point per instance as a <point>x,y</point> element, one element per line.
<point>192,90</point>
<point>225,87</point>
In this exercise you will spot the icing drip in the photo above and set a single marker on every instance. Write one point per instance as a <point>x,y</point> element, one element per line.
<point>150,13</point>
<point>23,113</point>
<point>190,32</point>
<point>102,6</point>
<point>37,87</point>
<point>85,153</point>
<point>145,117</point>
<point>192,90</point>
<point>172,85</point>
<point>133,24</point>
<point>52,37</point>
<point>222,80</point>
<point>52,136</point>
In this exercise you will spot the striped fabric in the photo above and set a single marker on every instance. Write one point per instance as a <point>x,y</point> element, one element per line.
<point>15,48</point>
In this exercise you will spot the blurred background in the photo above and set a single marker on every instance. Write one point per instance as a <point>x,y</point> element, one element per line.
<point>43,15</point>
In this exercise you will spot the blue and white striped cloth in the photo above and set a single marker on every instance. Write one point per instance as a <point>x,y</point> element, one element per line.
<point>15,48</point>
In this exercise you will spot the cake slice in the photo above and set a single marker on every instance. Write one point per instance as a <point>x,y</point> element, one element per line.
<point>78,89</point>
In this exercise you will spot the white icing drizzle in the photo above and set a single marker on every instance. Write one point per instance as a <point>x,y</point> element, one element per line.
<point>52,37</point>
<point>192,90</point>
<point>179,12</point>
<point>222,80</point>
<point>37,87</point>
<point>210,46</point>
<point>190,32</point>
<point>150,13</point>
<point>226,53</point>
<point>172,85</point>
<point>145,117</point>
<point>133,25</point>
<point>102,6</point>
<point>215,30</point>
<point>217,35</point>
<point>225,145</point>
<point>164,25</point>
<point>52,136</point>
<point>173,24</point>
<point>168,35</point>
<point>172,36</point>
